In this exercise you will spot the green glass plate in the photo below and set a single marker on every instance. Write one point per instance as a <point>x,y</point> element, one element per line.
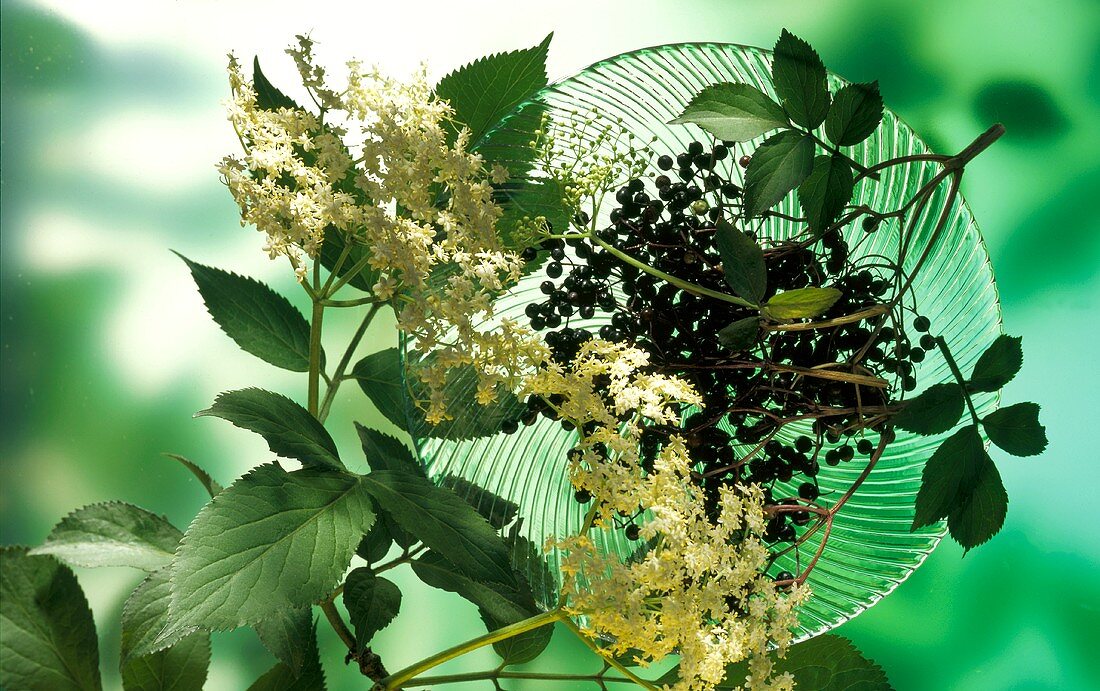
<point>871,549</point>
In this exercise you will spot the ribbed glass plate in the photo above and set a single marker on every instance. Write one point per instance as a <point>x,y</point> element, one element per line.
<point>871,549</point>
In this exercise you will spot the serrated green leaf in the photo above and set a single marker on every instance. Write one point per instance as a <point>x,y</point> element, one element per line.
<point>733,112</point>
<point>937,409</point>
<point>270,541</point>
<point>777,166</point>
<point>825,663</point>
<point>998,364</point>
<point>1016,429</point>
<point>826,192</point>
<point>381,376</point>
<point>855,114</point>
<point>147,666</point>
<point>981,506</point>
<point>311,677</point>
<point>443,522</point>
<point>492,507</point>
<point>288,428</point>
<point>333,245</point>
<point>112,534</point>
<point>287,634</point>
<point>267,96</point>
<point>486,90</point>
<point>801,303</point>
<point>372,603</point>
<point>799,79</point>
<point>376,544</point>
<point>49,639</point>
<point>210,484</point>
<point>742,262</point>
<point>384,452</point>
<point>740,335</point>
<point>258,319</point>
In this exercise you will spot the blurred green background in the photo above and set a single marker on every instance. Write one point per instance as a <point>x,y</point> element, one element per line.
<point>112,124</point>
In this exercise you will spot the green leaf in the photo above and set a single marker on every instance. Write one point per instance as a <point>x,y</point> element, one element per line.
<point>287,634</point>
<point>333,245</point>
<point>384,452</point>
<point>799,79</point>
<point>742,262</point>
<point>258,319</point>
<point>290,431</point>
<point>740,335</point>
<point>210,484</point>
<point>443,522</point>
<point>998,364</point>
<point>267,96</point>
<point>733,112</point>
<point>1016,429</point>
<point>824,663</point>
<point>801,303</point>
<point>937,409</point>
<point>183,665</point>
<point>272,540</point>
<point>376,544</point>
<point>492,507</point>
<point>372,603</point>
<point>49,640</point>
<point>854,115</point>
<point>826,192</point>
<point>381,376</point>
<point>777,166</point>
<point>498,604</point>
<point>281,677</point>
<point>980,509</point>
<point>489,88</point>
<point>112,534</point>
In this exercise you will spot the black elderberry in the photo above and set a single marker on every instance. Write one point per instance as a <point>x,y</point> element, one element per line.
<point>922,324</point>
<point>510,426</point>
<point>664,162</point>
<point>865,447</point>
<point>528,254</point>
<point>927,342</point>
<point>808,491</point>
<point>744,161</point>
<point>632,532</point>
<point>783,576</point>
<point>582,496</point>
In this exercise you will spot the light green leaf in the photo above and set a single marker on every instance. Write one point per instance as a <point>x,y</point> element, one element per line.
<point>112,534</point>
<point>290,431</point>
<point>443,522</point>
<point>742,262</point>
<point>270,541</point>
<point>733,112</point>
<point>372,603</point>
<point>855,114</point>
<point>799,79</point>
<point>777,166</point>
<point>937,409</point>
<point>801,303</point>
<point>268,97</point>
<point>998,364</point>
<point>210,484</point>
<point>1016,429</point>
<point>740,335</point>
<point>49,640</point>
<point>288,634</point>
<point>182,666</point>
<point>281,677</point>
<point>826,192</point>
<point>258,319</point>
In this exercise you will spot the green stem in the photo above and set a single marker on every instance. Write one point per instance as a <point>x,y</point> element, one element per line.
<point>342,630</point>
<point>358,302</point>
<point>348,275</point>
<point>501,674</point>
<point>315,356</point>
<point>338,376</point>
<point>400,678</point>
<point>618,666</point>
<point>958,377</point>
<point>861,169</point>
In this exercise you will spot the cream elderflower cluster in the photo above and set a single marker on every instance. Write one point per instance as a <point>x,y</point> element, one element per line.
<point>698,588</point>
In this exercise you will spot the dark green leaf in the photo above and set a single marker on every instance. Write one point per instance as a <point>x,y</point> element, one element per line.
<point>855,114</point>
<point>492,507</point>
<point>381,376</point>
<point>826,192</point>
<point>733,112</point>
<point>980,509</point>
<point>113,534</point>
<point>935,410</point>
<point>210,484</point>
<point>290,431</point>
<point>182,666</point>
<point>824,663</point>
<point>372,604</point>
<point>375,545</point>
<point>272,540</point>
<point>801,303</point>
<point>740,335</point>
<point>287,635</point>
<point>525,200</point>
<point>799,78</point>
<point>267,96</point>
<point>998,364</point>
<point>488,89</point>
<point>742,262</point>
<point>311,677</point>
<point>443,522</point>
<point>49,640</point>
<point>384,452</point>
<point>334,244</point>
<point>258,319</point>
<point>777,166</point>
<point>1016,429</point>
